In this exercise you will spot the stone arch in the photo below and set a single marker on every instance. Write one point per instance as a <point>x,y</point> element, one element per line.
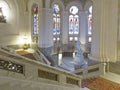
<point>60,3</point>
<point>75,3</point>
<point>30,6</point>
<point>32,2</point>
<point>14,12</point>
<point>11,7</point>
<point>88,4</point>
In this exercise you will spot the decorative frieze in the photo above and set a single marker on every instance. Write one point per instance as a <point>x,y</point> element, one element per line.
<point>10,66</point>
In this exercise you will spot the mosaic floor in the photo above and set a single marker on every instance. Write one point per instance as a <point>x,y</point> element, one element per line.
<point>109,81</point>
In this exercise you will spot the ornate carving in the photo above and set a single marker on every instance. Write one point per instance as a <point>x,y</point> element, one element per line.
<point>79,58</point>
<point>10,66</point>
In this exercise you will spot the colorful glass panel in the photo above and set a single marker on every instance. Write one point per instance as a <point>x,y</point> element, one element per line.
<point>35,19</point>
<point>90,21</point>
<point>73,21</point>
<point>74,10</point>
<point>71,24</point>
<point>76,24</point>
<point>56,20</point>
<point>56,9</point>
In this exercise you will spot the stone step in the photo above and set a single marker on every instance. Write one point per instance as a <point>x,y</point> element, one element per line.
<point>114,67</point>
<point>112,77</point>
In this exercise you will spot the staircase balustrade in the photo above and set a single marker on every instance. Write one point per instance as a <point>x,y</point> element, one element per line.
<point>23,73</point>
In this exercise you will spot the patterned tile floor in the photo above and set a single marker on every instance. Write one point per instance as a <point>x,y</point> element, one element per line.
<point>109,81</point>
<point>103,84</point>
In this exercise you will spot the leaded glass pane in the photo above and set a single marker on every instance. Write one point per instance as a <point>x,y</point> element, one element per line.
<point>71,38</point>
<point>90,21</point>
<point>56,9</point>
<point>76,24</point>
<point>73,21</point>
<point>89,39</point>
<point>74,10</point>
<point>71,24</point>
<point>75,38</point>
<point>56,20</point>
<point>35,19</point>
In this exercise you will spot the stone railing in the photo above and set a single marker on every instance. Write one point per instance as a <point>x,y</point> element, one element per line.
<point>11,66</point>
<point>91,72</point>
<point>7,50</point>
<point>40,55</point>
<point>20,73</point>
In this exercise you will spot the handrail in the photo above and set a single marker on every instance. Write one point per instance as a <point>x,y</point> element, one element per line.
<point>44,58</point>
<point>14,56</point>
<point>91,71</point>
<point>7,50</point>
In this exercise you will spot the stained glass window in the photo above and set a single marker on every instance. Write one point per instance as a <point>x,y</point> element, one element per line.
<point>56,20</point>
<point>35,24</point>
<point>90,21</point>
<point>56,27</point>
<point>73,24</point>
<point>35,19</point>
<point>90,24</point>
<point>73,21</point>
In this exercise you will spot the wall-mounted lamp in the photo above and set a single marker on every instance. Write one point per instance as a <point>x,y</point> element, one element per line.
<point>2,17</point>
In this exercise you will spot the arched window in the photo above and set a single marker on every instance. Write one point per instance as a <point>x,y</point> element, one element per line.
<point>35,23</point>
<point>73,23</point>
<point>35,19</point>
<point>56,24</point>
<point>90,24</point>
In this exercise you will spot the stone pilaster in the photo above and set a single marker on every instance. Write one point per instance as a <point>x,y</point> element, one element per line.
<point>104,33</point>
<point>65,26</point>
<point>83,26</point>
<point>46,27</point>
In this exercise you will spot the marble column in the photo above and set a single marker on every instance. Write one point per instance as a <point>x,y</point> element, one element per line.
<point>45,28</point>
<point>83,29</point>
<point>65,26</point>
<point>104,33</point>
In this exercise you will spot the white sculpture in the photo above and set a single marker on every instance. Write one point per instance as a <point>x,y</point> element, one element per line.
<point>79,58</point>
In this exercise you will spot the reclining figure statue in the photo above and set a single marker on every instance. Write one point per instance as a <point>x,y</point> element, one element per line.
<point>79,58</point>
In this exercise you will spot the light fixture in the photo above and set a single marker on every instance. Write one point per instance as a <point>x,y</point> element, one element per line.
<point>2,17</point>
<point>25,44</point>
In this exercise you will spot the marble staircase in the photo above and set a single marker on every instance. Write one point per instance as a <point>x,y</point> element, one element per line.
<point>17,72</point>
